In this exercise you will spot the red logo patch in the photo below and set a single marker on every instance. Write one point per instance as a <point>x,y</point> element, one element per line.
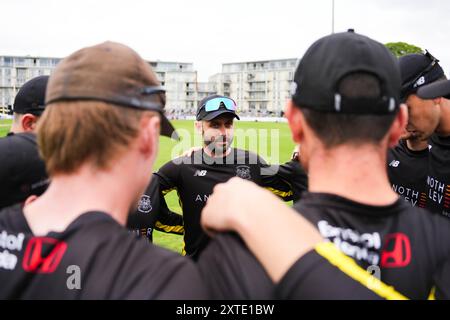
<point>396,251</point>
<point>35,262</point>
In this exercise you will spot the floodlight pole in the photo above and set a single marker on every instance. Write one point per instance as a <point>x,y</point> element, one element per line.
<point>332,16</point>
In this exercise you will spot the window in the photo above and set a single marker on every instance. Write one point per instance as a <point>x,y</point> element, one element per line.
<point>7,61</point>
<point>20,61</point>
<point>43,62</point>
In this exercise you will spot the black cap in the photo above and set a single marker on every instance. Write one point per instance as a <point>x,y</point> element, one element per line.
<point>31,96</point>
<point>435,90</point>
<point>22,172</point>
<point>418,70</point>
<point>202,114</point>
<point>333,57</point>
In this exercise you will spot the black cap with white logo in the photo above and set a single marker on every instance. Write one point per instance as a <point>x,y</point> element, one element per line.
<point>332,58</point>
<point>418,70</point>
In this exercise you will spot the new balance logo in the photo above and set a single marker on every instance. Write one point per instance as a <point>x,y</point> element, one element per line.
<point>419,82</point>
<point>394,163</point>
<point>200,173</point>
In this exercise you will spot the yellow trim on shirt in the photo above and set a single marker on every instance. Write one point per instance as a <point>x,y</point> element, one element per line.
<point>347,265</point>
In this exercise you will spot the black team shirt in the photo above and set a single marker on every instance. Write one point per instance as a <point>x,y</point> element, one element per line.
<point>111,263</point>
<point>114,264</point>
<point>407,171</point>
<point>438,178</point>
<point>194,178</point>
<point>422,178</point>
<point>410,246</point>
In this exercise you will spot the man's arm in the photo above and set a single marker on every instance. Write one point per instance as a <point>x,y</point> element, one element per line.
<point>266,224</point>
<point>152,213</point>
<point>293,173</point>
<point>287,181</point>
<point>167,179</point>
<point>169,221</point>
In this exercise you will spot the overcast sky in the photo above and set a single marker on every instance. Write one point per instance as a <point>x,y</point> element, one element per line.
<point>211,32</point>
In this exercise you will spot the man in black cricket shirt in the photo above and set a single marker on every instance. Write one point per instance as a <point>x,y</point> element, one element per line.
<point>438,179</point>
<point>22,171</point>
<point>346,113</point>
<point>410,168</point>
<point>195,176</point>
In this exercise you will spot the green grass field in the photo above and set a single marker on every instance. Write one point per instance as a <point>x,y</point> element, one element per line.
<point>272,141</point>
<point>4,127</point>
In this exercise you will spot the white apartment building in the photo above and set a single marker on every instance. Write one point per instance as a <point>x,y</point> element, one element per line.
<point>180,81</point>
<point>16,70</point>
<point>258,87</point>
<point>179,78</point>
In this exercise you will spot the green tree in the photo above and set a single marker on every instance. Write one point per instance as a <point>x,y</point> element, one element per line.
<point>402,48</point>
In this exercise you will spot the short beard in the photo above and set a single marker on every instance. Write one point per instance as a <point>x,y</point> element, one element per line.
<point>214,148</point>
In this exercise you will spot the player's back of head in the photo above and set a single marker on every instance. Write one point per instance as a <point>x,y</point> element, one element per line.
<point>96,98</point>
<point>347,86</point>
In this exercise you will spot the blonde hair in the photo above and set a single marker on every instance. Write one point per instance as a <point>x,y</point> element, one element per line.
<point>73,132</point>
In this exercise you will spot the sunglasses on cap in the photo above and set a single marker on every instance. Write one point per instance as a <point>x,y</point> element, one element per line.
<point>216,103</point>
<point>428,68</point>
<point>153,90</point>
<point>148,91</point>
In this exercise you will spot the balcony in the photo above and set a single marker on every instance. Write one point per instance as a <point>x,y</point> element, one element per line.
<point>263,99</point>
<point>256,89</point>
